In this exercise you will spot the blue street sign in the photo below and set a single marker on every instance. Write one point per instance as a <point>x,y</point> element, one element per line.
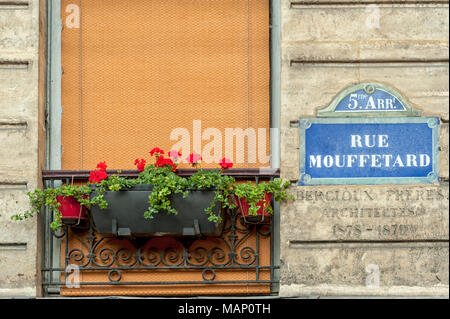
<point>368,100</point>
<point>378,101</point>
<point>369,150</point>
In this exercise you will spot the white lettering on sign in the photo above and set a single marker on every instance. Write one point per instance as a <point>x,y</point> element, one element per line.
<point>372,160</point>
<point>372,103</point>
<point>369,160</point>
<point>369,141</point>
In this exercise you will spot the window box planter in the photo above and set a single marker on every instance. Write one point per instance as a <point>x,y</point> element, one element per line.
<point>72,213</point>
<point>125,214</point>
<point>262,214</point>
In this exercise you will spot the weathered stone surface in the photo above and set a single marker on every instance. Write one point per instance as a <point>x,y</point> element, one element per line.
<point>23,274</point>
<point>17,244</point>
<point>289,149</point>
<point>444,152</point>
<point>19,91</point>
<point>320,51</point>
<point>14,201</point>
<point>17,27</point>
<point>333,237</point>
<point>403,50</point>
<point>365,269</point>
<point>307,88</point>
<point>363,32</point>
<point>325,250</point>
<point>383,22</point>
<point>365,50</point>
<point>17,142</point>
<point>19,30</point>
<point>359,213</point>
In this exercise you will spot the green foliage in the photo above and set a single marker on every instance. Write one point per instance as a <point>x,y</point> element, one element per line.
<point>213,179</point>
<point>165,183</point>
<point>47,197</point>
<point>254,193</point>
<point>113,183</point>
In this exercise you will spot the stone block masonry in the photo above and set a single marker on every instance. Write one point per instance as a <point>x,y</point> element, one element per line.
<point>19,149</point>
<point>366,240</point>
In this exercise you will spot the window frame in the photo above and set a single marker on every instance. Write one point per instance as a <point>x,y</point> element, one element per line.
<point>54,111</point>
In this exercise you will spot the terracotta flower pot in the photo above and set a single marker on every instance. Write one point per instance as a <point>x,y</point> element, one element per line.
<point>261,213</point>
<point>72,213</point>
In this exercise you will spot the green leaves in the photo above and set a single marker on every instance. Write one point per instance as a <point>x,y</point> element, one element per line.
<point>166,183</point>
<point>213,179</point>
<point>254,193</point>
<point>47,197</point>
<point>113,183</point>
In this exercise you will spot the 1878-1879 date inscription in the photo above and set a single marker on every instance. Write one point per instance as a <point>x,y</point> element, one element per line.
<point>356,230</point>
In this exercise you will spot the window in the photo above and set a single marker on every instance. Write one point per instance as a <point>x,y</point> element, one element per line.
<point>136,73</point>
<point>193,75</point>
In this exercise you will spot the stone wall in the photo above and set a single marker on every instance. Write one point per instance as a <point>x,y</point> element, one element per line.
<point>363,240</point>
<point>20,128</point>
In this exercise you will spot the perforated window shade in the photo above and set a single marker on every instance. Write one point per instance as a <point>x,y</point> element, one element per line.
<point>136,70</point>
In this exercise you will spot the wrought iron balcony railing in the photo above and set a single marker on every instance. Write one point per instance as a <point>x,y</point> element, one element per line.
<point>242,256</point>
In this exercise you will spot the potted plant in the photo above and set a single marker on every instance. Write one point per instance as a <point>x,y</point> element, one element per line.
<point>68,202</point>
<point>255,200</point>
<point>160,202</point>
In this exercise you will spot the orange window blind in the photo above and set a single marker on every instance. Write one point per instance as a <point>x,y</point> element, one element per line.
<point>137,72</point>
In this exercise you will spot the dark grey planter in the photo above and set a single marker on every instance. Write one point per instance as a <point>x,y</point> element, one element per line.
<point>125,214</point>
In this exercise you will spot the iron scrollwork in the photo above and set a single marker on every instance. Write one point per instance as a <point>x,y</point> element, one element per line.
<point>238,248</point>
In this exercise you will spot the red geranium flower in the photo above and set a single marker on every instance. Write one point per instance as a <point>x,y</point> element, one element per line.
<point>140,164</point>
<point>93,178</point>
<point>225,163</point>
<point>99,173</point>
<point>156,150</point>
<point>162,161</point>
<point>102,166</point>
<point>97,176</point>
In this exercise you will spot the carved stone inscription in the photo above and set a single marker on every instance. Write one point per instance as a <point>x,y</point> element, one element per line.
<point>367,213</point>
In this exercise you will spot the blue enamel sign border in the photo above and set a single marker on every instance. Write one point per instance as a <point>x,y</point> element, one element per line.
<point>432,122</point>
